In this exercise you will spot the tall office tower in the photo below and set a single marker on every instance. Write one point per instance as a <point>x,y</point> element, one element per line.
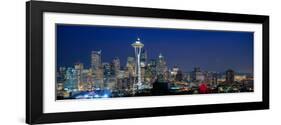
<point>143,70</point>
<point>187,76</point>
<point>107,69</point>
<point>198,75</point>
<point>87,79</point>
<point>138,48</point>
<point>70,84</point>
<point>97,69</point>
<point>79,75</point>
<point>131,66</point>
<point>60,74</point>
<point>208,77</point>
<point>152,66</point>
<point>174,72</point>
<point>211,78</point>
<point>107,72</point>
<point>215,79</point>
<point>116,66</point>
<point>161,66</point>
<point>179,75</point>
<point>90,79</point>
<point>60,80</point>
<point>143,63</point>
<point>229,76</point>
<point>143,58</point>
<point>148,76</point>
<point>96,60</point>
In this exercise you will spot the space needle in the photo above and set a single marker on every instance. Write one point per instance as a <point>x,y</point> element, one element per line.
<point>138,46</point>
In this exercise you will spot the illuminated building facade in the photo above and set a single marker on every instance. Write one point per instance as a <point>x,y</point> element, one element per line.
<point>79,75</point>
<point>161,66</point>
<point>116,65</point>
<point>198,75</point>
<point>97,69</point>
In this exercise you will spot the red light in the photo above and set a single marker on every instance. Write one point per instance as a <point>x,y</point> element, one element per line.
<point>203,89</point>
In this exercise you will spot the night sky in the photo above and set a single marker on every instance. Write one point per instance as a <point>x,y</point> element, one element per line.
<point>209,50</point>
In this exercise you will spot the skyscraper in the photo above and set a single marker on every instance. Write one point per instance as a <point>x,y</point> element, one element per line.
<point>211,78</point>
<point>131,66</point>
<point>152,66</point>
<point>174,71</point>
<point>161,66</point>
<point>79,69</point>
<point>215,79</point>
<point>229,76</point>
<point>107,70</point>
<point>109,79</point>
<point>87,79</point>
<point>198,75</point>
<point>179,76</point>
<point>116,65</point>
<point>96,60</point>
<point>97,69</point>
<point>70,84</point>
<point>143,58</point>
<point>143,63</point>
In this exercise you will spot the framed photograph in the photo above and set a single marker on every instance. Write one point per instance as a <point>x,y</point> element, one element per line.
<point>95,62</point>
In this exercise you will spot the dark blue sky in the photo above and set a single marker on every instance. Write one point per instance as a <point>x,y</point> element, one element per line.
<point>210,50</point>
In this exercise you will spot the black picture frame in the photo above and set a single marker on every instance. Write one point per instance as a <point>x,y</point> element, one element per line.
<point>34,61</point>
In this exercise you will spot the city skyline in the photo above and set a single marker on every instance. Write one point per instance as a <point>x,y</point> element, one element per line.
<point>235,51</point>
<point>165,73</point>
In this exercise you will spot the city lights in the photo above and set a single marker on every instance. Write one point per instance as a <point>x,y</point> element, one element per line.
<point>148,68</point>
<point>154,77</point>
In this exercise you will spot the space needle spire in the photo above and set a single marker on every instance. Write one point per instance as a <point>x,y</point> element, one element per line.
<point>138,46</point>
